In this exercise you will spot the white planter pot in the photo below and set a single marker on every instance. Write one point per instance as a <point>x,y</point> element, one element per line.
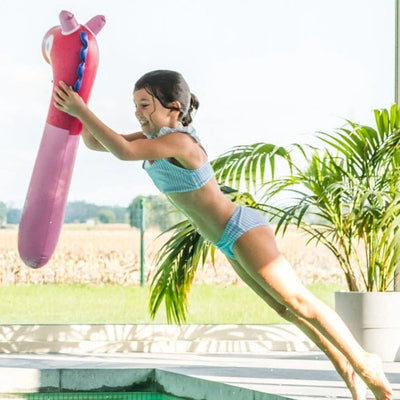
<point>374,320</point>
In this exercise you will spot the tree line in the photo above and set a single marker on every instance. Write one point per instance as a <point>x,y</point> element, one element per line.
<point>158,212</point>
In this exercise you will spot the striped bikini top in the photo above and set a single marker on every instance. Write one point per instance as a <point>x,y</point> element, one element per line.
<point>169,178</point>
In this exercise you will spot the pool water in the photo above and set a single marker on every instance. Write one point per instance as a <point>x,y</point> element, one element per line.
<point>90,396</point>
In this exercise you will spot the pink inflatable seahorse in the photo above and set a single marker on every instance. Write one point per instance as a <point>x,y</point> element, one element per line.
<point>71,50</point>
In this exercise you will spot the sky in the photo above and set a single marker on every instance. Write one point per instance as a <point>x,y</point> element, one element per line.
<point>263,70</point>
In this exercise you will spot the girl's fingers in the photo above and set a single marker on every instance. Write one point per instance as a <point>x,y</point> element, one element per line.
<point>64,98</point>
<point>58,101</point>
<point>57,105</point>
<point>67,89</point>
<point>60,93</point>
<point>63,90</point>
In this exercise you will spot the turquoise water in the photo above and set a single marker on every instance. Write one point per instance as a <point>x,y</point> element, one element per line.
<point>90,396</point>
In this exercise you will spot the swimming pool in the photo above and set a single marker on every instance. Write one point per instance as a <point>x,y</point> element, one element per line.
<point>90,396</point>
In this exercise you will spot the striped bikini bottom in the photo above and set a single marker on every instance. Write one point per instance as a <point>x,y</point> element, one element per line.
<point>242,220</point>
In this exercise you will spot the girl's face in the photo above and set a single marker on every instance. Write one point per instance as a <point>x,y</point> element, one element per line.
<point>151,114</point>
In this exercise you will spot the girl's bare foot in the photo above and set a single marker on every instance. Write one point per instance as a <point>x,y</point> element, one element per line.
<point>356,385</point>
<point>375,378</point>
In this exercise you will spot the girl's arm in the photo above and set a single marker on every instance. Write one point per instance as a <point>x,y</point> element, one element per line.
<point>93,144</point>
<point>90,141</point>
<point>130,147</point>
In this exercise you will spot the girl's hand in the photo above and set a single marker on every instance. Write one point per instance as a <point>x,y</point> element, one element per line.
<point>67,100</point>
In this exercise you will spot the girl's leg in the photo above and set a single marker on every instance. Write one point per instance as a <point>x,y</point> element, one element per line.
<point>257,253</point>
<point>340,362</point>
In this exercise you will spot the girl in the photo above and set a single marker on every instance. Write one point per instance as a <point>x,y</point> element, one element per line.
<point>178,165</point>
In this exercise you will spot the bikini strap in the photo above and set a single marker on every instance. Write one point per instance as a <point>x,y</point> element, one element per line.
<point>183,129</point>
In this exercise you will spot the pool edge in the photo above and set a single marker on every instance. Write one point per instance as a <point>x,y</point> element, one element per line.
<point>25,380</point>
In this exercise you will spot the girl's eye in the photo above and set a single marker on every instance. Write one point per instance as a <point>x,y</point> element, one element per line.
<point>141,106</point>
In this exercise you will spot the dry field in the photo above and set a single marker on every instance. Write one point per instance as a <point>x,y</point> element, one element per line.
<point>111,254</point>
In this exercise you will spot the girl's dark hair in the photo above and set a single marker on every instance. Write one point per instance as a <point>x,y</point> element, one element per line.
<point>168,86</point>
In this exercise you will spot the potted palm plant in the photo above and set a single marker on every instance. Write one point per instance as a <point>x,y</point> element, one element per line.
<point>351,191</point>
<point>344,194</point>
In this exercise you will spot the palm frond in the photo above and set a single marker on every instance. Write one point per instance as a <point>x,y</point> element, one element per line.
<point>177,262</point>
<point>247,163</point>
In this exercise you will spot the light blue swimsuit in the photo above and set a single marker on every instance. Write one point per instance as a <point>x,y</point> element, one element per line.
<point>170,178</point>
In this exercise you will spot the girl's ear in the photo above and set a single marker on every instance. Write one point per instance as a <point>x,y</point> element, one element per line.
<point>175,106</point>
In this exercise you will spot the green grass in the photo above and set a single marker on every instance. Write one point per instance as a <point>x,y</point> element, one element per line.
<point>87,304</point>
